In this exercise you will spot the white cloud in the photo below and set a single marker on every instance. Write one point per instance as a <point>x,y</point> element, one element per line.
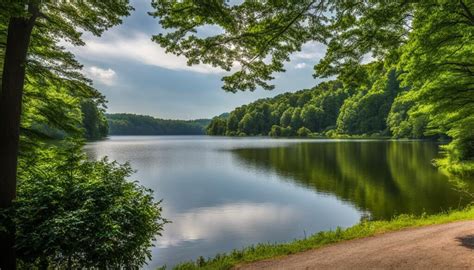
<point>311,51</point>
<point>300,65</point>
<point>105,76</point>
<point>137,47</point>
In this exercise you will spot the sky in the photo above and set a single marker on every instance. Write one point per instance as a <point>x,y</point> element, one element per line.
<point>137,76</point>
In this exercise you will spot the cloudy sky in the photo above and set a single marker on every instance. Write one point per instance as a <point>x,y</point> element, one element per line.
<point>137,76</point>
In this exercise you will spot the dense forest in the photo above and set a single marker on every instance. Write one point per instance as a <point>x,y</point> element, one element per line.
<point>373,105</point>
<point>132,124</point>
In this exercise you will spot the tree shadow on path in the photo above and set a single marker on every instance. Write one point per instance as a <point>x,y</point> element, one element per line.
<point>466,241</point>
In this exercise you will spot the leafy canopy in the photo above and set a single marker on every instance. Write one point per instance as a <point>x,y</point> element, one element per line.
<point>255,36</point>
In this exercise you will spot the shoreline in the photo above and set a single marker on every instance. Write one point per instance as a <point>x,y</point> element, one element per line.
<point>361,230</point>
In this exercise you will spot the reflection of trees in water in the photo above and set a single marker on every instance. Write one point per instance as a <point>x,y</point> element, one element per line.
<point>384,178</point>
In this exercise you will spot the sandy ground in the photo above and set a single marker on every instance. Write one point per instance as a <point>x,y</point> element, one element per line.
<point>447,246</point>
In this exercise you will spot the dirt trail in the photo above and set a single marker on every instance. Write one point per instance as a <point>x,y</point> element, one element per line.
<point>446,246</point>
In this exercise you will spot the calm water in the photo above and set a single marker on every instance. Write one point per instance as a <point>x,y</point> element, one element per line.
<point>227,193</point>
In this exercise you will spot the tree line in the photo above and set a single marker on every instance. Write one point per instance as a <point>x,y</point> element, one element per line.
<point>132,124</point>
<point>372,105</point>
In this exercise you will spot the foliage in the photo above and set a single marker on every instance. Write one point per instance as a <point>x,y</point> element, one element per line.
<point>355,109</point>
<point>132,124</point>
<point>405,120</point>
<point>94,120</point>
<point>303,132</point>
<point>438,59</point>
<point>430,42</point>
<point>55,88</point>
<point>363,229</point>
<point>367,111</point>
<point>73,213</point>
<point>249,32</point>
<point>217,126</point>
<point>278,131</point>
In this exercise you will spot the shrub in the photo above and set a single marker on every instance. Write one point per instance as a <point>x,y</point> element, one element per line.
<point>80,214</point>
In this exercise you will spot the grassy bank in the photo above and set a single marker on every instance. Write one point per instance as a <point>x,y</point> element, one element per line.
<point>363,229</point>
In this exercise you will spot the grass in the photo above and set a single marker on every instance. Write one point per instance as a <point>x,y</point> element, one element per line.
<point>360,230</point>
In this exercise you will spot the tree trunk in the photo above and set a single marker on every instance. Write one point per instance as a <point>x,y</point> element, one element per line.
<point>19,33</point>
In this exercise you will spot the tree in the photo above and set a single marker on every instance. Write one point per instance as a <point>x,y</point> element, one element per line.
<point>312,116</point>
<point>438,60</point>
<point>285,119</point>
<point>296,121</point>
<point>217,126</point>
<point>93,120</point>
<point>277,131</point>
<point>46,23</point>
<point>248,124</point>
<point>288,110</point>
<point>366,111</point>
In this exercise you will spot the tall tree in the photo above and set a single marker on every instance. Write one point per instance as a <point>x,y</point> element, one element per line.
<point>44,22</point>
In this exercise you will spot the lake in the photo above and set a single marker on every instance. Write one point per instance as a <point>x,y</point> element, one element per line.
<point>227,193</point>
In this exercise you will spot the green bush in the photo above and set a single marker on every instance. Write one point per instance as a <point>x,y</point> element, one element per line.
<point>74,213</point>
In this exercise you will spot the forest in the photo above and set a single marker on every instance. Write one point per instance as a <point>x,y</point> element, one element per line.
<point>373,105</point>
<point>132,124</point>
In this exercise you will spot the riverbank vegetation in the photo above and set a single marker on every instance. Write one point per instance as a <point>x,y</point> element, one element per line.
<point>363,229</point>
<point>132,124</point>
<point>402,68</point>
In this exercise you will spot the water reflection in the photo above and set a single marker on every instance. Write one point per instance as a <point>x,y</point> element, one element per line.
<point>382,177</point>
<point>212,222</point>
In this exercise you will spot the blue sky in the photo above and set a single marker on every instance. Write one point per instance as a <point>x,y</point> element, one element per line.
<point>137,76</point>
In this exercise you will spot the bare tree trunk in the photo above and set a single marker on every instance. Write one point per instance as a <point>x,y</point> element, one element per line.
<point>19,33</point>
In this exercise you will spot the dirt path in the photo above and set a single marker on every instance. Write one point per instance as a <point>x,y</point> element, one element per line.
<point>447,246</point>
